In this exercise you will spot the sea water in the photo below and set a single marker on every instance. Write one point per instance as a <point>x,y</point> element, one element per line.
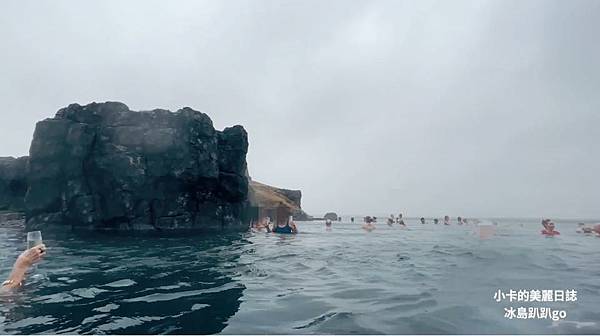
<point>424,279</point>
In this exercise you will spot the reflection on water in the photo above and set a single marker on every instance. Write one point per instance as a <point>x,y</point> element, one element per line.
<point>424,279</point>
<point>126,285</point>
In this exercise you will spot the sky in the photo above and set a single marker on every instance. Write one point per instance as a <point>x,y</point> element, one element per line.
<point>472,108</point>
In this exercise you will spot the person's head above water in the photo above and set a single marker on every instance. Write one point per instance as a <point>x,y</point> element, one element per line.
<point>550,226</point>
<point>545,222</point>
<point>423,220</point>
<point>435,220</point>
<point>446,218</point>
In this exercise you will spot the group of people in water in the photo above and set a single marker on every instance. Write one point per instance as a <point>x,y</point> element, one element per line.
<point>369,221</point>
<point>549,229</point>
<point>285,225</point>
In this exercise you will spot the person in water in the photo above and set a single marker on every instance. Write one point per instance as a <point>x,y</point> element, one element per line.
<point>23,263</point>
<point>549,230</point>
<point>399,218</point>
<point>262,225</point>
<point>369,224</point>
<point>545,223</point>
<point>446,220</point>
<point>422,220</point>
<point>459,220</point>
<point>436,221</point>
<point>391,220</point>
<point>581,228</point>
<point>351,219</point>
<point>328,223</point>
<point>402,223</point>
<point>286,225</point>
<point>596,229</point>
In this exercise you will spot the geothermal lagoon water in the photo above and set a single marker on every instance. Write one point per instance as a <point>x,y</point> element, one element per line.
<point>424,279</point>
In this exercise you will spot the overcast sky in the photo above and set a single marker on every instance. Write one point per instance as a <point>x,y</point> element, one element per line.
<point>474,108</point>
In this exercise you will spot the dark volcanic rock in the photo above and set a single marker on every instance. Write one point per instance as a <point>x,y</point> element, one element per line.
<point>13,183</point>
<point>102,166</point>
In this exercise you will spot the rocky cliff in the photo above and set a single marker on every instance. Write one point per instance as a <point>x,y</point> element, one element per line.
<point>266,196</point>
<point>13,183</point>
<point>102,166</point>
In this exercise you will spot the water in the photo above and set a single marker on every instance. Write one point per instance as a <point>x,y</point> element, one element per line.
<point>424,279</point>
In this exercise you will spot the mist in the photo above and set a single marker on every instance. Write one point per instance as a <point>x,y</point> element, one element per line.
<point>471,108</point>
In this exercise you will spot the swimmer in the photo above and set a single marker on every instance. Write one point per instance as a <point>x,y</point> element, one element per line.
<point>262,225</point>
<point>24,261</point>
<point>285,226</point>
<point>368,225</point>
<point>391,220</point>
<point>422,220</point>
<point>328,222</point>
<point>581,228</point>
<point>465,221</point>
<point>459,220</point>
<point>436,221</point>
<point>351,219</point>
<point>402,223</point>
<point>596,229</point>
<point>446,220</point>
<point>549,230</point>
<point>545,223</point>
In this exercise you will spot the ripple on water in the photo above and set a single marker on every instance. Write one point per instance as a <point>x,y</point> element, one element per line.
<point>199,306</point>
<point>117,323</point>
<point>120,283</point>
<point>31,321</point>
<point>60,297</point>
<point>346,281</point>
<point>88,293</point>
<point>107,308</point>
<point>157,297</point>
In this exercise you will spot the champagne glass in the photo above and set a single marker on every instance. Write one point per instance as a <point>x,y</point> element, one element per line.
<point>34,238</point>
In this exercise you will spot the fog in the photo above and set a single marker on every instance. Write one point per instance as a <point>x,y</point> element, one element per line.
<point>472,108</point>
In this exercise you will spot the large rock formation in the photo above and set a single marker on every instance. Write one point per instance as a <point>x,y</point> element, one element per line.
<point>266,196</point>
<point>13,183</point>
<point>102,166</point>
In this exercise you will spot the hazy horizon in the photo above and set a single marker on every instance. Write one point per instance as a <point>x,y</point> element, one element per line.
<point>471,108</point>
